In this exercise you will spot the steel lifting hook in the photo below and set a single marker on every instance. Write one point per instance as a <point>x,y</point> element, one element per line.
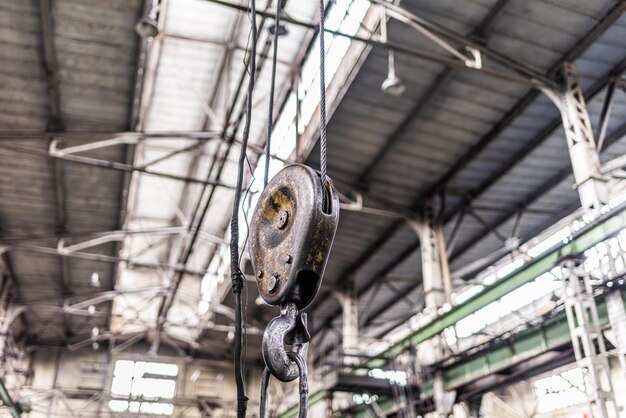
<point>288,328</point>
<point>303,387</point>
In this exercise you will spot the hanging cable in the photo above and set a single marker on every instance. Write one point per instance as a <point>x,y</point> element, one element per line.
<point>322,94</point>
<point>297,121</point>
<point>270,122</point>
<point>306,249</point>
<point>236,275</point>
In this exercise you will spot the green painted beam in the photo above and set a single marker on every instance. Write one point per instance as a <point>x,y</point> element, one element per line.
<point>16,411</point>
<point>522,346</point>
<point>607,226</point>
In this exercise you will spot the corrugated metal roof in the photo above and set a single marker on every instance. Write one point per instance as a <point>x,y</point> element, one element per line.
<point>96,53</point>
<point>23,78</point>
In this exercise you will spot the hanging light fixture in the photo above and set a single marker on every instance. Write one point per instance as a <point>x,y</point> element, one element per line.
<point>147,27</point>
<point>282,29</point>
<point>280,26</point>
<point>95,279</point>
<point>392,85</point>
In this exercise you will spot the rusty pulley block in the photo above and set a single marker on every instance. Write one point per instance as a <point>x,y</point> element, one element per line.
<point>292,231</point>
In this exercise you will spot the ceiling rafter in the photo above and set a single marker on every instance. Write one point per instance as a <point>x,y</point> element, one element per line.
<point>56,124</point>
<point>545,187</point>
<point>440,82</point>
<point>603,24</point>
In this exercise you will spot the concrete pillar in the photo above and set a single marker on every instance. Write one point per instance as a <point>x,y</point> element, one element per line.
<point>437,291</point>
<point>617,319</point>
<point>349,321</point>
<point>435,271</point>
<point>330,411</point>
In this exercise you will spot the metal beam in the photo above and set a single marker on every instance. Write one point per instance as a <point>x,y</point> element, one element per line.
<point>149,59</point>
<point>592,187</point>
<point>548,185</point>
<point>544,188</point>
<point>55,123</point>
<point>118,234</point>
<point>229,47</point>
<point>199,211</point>
<point>418,53</point>
<point>605,115</point>
<point>130,137</point>
<point>130,264</point>
<point>109,165</point>
<point>55,119</point>
<point>438,33</point>
<point>541,336</point>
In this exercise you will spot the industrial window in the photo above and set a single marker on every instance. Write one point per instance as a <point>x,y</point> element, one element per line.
<point>143,387</point>
<point>560,391</point>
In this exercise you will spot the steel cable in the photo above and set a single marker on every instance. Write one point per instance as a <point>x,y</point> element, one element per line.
<point>270,122</point>
<point>322,94</point>
<point>237,279</point>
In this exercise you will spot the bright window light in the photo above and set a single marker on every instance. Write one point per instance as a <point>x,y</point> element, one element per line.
<point>560,236</point>
<point>141,387</point>
<point>395,377</point>
<point>509,268</point>
<point>344,16</point>
<point>467,293</point>
<point>560,391</point>
<point>363,398</point>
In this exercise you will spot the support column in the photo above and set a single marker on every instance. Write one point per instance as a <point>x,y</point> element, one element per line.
<point>437,291</point>
<point>435,271</point>
<point>588,340</point>
<point>617,319</point>
<point>349,322</point>
<point>330,411</point>
<point>591,185</point>
<point>349,339</point>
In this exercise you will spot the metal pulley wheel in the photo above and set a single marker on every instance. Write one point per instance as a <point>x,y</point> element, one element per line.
<point>292,231</point>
